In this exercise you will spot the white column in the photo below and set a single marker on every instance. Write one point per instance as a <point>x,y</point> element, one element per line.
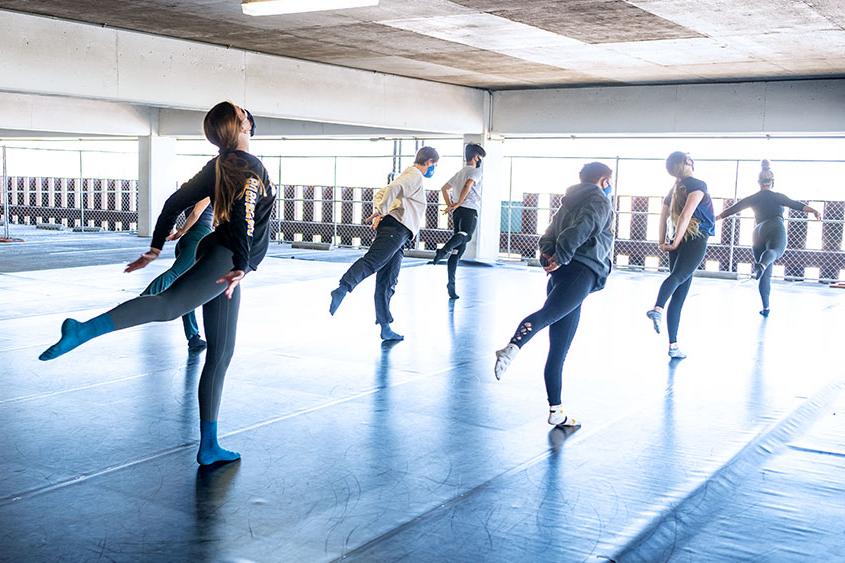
<point>484,246</point>
<point>156,176</point>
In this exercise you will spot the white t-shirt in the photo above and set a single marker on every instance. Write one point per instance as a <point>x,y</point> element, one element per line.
<point>404,198</point>
<point>459,180</point>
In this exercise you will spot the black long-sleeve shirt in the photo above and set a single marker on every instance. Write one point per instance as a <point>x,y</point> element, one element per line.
<point>247,232</point>
<point>766,205</point>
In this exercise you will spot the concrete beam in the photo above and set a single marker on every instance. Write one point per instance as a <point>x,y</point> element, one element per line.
<point>184,123</point>
<point>799,106</point>
<point>27,115</point>
<point>49,56</point>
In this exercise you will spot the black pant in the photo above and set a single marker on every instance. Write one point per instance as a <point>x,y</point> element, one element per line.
<point>464,221</point>
<point>567,288</point>
<point>682,264</point>
<point>385,258</point>
<point>768,244</point>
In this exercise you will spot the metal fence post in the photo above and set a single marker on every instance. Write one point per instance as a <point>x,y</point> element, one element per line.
<point>5,197</point>
<point>280,204</point>
<point>334,206</point>
<point>731,266</point>
<point>510,204</point>
<point>615,207</point>
<point>81,197</point>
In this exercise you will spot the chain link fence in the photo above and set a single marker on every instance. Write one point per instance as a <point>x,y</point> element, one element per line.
<point>80,202</point>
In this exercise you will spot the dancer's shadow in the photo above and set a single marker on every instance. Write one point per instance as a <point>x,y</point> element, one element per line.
<point>560,434</point>
<point>211,492</point>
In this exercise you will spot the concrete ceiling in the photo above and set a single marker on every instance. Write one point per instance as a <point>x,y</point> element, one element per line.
<point>500,44</point>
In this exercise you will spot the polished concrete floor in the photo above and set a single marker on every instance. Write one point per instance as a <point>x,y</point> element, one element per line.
<point>414,452</point>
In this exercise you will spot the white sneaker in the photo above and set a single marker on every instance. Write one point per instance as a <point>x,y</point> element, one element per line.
<point>504,357</point>
<point>676,354</point>
<point>557,417</point>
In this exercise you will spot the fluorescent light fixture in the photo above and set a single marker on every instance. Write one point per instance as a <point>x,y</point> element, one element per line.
<point>275,7</point>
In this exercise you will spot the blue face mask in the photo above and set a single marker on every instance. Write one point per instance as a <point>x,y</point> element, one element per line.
<point>608,189</point>
<point>429,172</point>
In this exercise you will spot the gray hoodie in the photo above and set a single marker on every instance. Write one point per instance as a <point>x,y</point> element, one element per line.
<point>581,230</point>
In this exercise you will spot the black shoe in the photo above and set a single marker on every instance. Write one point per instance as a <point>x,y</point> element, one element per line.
<point>337,297</point>
<point>439,255</point>
<point>196,344</point>
<point>450,287</point>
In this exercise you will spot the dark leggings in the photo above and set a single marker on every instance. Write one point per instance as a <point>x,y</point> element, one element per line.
<point>682,264</point>
<point>567,288</point>
<point>198,286</point>
<point>186,249</point>
<point>384,258</point>
<point>464,221</point>
<point>768,245</point>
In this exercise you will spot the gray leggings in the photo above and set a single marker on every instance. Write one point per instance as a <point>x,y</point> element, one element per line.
<point>768,245</point>
<point>198,286</point>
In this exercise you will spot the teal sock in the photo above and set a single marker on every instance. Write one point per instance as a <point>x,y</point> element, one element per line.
<point>75,333</point>
<point>210,451</point>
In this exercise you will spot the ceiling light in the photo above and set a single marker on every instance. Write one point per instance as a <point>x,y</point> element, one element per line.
<point>275,7</point>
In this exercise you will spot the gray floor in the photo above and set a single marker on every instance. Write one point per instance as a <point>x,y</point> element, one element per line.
<point>414,452</point>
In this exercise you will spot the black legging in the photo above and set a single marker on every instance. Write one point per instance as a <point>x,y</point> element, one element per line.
<point>768,244</point>
<point>682,264</point>
<point>198,286</point>
<point>567,288</point>
<point>464,221</point>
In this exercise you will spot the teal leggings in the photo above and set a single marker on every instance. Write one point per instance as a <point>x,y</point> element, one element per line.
<point>186,250</point>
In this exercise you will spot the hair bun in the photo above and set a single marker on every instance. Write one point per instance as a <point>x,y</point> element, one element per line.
<point>764,164</point>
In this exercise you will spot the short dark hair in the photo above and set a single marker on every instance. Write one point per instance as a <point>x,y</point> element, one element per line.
<point>472,150</point>
<point>425,154</point>
<point>593,171</point>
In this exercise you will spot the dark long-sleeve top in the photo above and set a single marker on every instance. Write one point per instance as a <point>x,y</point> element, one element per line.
<point>247,232</point>
<point>766,205</point>
<point>581,230</point>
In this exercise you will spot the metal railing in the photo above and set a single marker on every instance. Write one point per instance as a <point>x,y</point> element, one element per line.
<point>58,202</point>
<point>335,214</point>
<point>815,251</point>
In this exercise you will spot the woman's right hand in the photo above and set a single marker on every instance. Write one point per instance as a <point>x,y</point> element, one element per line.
<point>142,260</point>
<point>665,247</point>
<point>175,235</point>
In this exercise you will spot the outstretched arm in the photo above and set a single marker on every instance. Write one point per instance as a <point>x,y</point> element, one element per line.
<point>192,219</point>
<point>744,203</point>
<point>798,206</point>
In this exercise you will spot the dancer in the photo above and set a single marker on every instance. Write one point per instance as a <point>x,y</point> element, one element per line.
<point>240,189</point>
<point>398,212</point>
<point>691,210</point>
<point>769,241</point>
<point>462,194</point>
<point>575,251</point>
<point>198,224</point>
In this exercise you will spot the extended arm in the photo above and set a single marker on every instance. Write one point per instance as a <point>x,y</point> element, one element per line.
<point>197,188</point>
<point>798,206</point>
<point>192,219</point>
<point>744,203</point>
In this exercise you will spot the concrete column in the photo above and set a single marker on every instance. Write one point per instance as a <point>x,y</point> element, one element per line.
<point>484,246</point>
<point>156,176</point>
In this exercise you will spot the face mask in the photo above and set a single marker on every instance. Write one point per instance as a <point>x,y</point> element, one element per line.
<point>429,172</point>
<point>608,190</point>
<point>478,163</point>
<point>251,122</point>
